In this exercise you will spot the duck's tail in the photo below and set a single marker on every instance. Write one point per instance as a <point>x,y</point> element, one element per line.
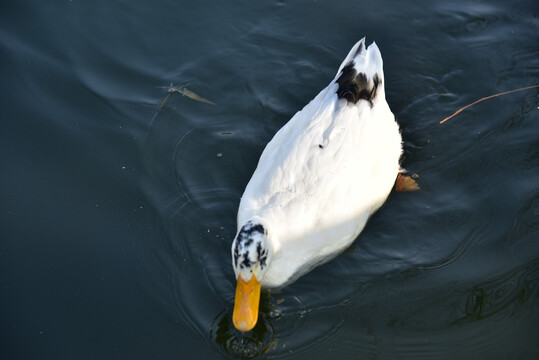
<point>361,74</point>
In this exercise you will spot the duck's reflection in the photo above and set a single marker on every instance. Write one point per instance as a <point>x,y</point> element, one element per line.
<point>249,344</point>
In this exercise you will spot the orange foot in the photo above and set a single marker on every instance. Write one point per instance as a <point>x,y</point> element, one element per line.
<point>405,183</point>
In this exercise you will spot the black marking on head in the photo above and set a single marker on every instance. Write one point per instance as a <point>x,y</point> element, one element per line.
<point>354,87</point>
<point>245,263</point>
<point>236,255</point>
<point>245,240</point>
<point>249,228</point>
<point>261,255</point>
<point>262,259</point>
<point>320,146</point>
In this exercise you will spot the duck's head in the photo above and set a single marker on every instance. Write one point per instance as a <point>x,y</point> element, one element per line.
<point>251,255</point>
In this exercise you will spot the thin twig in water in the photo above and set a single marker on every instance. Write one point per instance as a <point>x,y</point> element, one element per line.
<point>184,91</point>
<point>486,98</point>
<point>192,95</point>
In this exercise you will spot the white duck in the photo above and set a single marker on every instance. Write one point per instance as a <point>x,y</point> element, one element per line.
<point>317,182</point>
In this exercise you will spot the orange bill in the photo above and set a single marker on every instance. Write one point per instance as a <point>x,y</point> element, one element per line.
<point>246,304</point>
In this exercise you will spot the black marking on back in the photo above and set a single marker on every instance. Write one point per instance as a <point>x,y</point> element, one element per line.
<point>354,87</point>
<point>359,49</point>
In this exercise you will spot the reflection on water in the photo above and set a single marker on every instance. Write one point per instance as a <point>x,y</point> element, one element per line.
<point>503,295</point>
<point>526,223</point>
<point>467,320</point>
<point>245,345</point>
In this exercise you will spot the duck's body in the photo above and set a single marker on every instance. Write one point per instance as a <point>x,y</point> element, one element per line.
<point>321,177</point>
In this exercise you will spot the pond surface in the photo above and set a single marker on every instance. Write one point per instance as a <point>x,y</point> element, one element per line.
<point>118,207</point>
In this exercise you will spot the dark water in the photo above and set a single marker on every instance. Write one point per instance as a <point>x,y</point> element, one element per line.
<point>117,218</point>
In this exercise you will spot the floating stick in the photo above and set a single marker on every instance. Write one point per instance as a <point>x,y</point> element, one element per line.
<point>184,91</point>
<point>486,98</point>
